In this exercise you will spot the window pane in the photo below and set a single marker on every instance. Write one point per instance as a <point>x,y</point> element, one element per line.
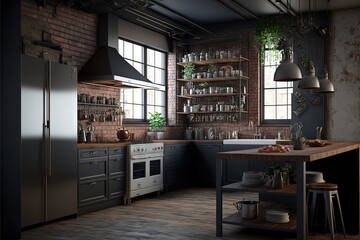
<point>121,47</point>
<point>270,97</point>
<point>282,112</point>
<point>127,95</point>
<point>138,112</point>
<point>150,109</point>
<point>150,97</point>
<point>282,96</point>
<point>127,108</point>
<point>138,53</point>
<point>138,95</point>
<point>150,73</point>
<point>160,59</point>
<point>159,76</point>
<point>139,67</point>
<point>269,112</point>
<point>150,57</point>
<point>159,98</point>
<point>128,50</point>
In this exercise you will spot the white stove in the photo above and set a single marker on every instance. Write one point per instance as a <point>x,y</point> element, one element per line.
<point>144,169</point>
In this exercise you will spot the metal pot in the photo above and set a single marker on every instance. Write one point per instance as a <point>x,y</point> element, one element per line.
<point>123,134</point>
<point>248,209</point>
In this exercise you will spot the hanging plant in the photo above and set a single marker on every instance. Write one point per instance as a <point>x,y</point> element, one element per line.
<point>268,33</point>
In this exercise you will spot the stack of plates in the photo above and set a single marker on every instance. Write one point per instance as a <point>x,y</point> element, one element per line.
<point>314,177</point>
<point>276,216</point>
<point>253,178</point>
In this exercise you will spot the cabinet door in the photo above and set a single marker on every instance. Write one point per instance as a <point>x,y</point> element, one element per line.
<point>92,191</point>
<point>177,166</point>
<point>93,168</point>
<point>117,186</point>
<point>117,165</point>
<point>234,168</point>
<point>205,158</point>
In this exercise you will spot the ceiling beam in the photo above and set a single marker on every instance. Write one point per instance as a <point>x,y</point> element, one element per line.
<point>287,7</point>
<point>229,9</point>
<point>179,15</point>
<point>145,15</point>
<point>242,8</point>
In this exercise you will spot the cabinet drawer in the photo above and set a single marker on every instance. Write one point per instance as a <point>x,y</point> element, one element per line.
<point>92,191</point>
<point>91,153</point>
<point>117,164</point>
<point>90,168</point>
<point>116,186</point>
<point>117,151</point>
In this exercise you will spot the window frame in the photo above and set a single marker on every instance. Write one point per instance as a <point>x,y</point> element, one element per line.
<point>270,122</point>
<point>144,120</point>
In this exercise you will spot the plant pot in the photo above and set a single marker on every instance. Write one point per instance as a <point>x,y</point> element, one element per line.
<point>150,135</point>
<point>160,135</point>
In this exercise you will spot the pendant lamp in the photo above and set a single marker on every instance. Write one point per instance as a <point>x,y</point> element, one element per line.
<point>326,86</point>
<point>287,70</point>
<point>310,81</point>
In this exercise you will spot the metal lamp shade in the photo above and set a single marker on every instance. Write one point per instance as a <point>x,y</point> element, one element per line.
<point>287,71</point>
<point>325,85</point>
<point>310,81</point>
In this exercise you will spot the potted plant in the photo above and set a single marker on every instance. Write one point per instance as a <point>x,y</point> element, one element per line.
<point>188,70</point>
<point>211,70</point>
<point>268,33</point>
<point>157,124</point>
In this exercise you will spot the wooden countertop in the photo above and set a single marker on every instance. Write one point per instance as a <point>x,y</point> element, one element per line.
<point>122,144</point>
<point>307,155</point>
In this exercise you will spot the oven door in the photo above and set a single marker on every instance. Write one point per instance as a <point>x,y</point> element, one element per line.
<point>146,172</point>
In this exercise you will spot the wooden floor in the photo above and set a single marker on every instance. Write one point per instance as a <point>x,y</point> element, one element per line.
<point>182,214</point>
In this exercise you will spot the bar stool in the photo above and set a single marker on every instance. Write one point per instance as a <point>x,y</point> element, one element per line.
<point>329,191</point>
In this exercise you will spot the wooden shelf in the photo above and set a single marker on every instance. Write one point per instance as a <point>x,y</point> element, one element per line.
<point>213,112</point>
<point>261,223</point>
<point>217,79</point>
<point>238,186</point>
<point>97,105</point>
<point>215,61</point>
<point>209,95</point>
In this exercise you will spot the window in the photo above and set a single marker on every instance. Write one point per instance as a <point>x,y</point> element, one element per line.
<point>137,103</point>
<point>276,96</point>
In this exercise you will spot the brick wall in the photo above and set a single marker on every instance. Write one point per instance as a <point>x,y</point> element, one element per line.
<point>75,31</point>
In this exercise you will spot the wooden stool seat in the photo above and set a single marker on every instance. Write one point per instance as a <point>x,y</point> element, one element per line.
<point>328,191</point>
<point>323,186</point>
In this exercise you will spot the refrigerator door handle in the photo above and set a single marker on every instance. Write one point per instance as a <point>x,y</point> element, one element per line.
<point>48,123</point>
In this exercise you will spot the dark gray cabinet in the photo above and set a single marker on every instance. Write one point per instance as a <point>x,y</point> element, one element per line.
<point>177,166</point>
<point>101,178</point>
<point>205,164</point>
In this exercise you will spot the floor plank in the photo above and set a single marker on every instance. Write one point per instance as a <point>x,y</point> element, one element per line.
<point>183,214</point>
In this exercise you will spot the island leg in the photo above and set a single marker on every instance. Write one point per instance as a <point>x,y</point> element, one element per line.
<point>301,209</point>
<point>219,213</point>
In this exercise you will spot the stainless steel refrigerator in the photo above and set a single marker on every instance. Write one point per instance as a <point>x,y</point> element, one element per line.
<point>49,138</point>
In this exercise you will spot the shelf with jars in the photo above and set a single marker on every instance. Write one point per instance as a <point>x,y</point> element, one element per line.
<point>97,108</point>
<point>213,90</point>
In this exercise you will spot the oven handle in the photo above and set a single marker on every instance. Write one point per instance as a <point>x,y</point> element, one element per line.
<point>147,156</point>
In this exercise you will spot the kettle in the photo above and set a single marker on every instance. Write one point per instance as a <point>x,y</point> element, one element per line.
<point>277,179</point>
<point>123,134</point>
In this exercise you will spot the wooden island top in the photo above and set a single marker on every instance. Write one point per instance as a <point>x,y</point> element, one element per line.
<point>309,154</point>
<point>340,163</point>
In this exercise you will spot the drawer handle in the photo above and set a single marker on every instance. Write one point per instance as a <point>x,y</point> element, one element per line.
<point>118,150</point>
<point>117,179</point>
<point>94,153</point>
<point>93,163</point>
<point>92,184</point>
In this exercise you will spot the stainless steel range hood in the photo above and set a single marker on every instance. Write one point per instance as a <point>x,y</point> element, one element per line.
<point>106,66</point>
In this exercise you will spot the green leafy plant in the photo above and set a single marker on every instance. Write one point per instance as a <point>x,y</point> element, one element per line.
<point>268,33</point>
<point>188,70</point>
<point>212,68</point>
<point>157,122</point>
<point>203,84</point>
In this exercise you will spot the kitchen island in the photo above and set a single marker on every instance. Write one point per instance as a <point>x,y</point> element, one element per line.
<point>339,161</point>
